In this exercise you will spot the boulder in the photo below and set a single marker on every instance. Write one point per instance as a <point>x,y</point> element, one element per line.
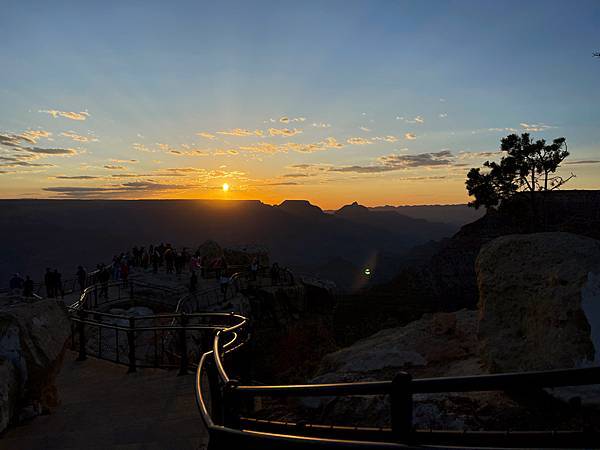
<point>440,344</point>
<point>33,339</point>
<point>539,302</point>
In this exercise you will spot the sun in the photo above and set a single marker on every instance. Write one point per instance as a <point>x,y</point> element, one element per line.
<point>225,187</point>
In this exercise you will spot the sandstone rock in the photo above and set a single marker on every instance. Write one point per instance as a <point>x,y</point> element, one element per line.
<point>33,339</point>
<point>539,301</point>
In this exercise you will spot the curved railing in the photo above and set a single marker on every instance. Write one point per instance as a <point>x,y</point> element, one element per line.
<point>224,403</point>
<point>165,340</point>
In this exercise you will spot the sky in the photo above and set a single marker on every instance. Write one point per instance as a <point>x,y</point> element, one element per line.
<point>380,102</point>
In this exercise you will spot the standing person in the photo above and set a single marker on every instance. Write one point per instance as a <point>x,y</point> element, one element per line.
<point>28,287</point>
<point>193,282</point>
<point>275,274</point>
<point>224,283</point>
<point>49,283</point>
<point>154,257</point>
<point>81,277</point>
<point>125,272</point>
<point>254,268</point>
<point>58,284</point>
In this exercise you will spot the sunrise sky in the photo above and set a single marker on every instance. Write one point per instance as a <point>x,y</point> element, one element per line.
<point>382,102</point>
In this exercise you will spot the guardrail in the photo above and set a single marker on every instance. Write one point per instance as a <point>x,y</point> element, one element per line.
<point>167,340</point>
<point>229,428</point>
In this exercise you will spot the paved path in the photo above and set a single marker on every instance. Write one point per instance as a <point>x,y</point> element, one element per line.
<point>103,407</point>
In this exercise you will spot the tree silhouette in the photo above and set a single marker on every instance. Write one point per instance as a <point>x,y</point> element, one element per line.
<point>527,165</point>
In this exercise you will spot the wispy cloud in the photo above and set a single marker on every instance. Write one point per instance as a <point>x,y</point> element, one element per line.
<point>321,125</point>
<point>410,136</point>
<point>113,167</point>
<point>286,119</point>
<point>284,132</point>
<point>206,135</point>
<point>77,137</point>
<point>358,141</point>
<point>239,132</point>
<point>533,127</point>
<point>389,138</point>
<point>393,162</point>
<point>81,115</point>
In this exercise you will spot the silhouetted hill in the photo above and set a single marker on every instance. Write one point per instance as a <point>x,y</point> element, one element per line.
<point>422,230</point>
<point>457,215</point>
<point>64,233</point>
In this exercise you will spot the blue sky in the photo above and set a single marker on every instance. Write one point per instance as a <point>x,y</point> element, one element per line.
<point>362,84</point>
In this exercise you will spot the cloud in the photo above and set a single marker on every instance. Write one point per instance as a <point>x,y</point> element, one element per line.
<point>125,161</point>
<point>140,147</point>
<point>50,151</point>
<point>34,135</point>
<point>410,136</point>
<point>206,135</point>
<point>321,125</point>
<point>286,119</point>
<point>397,162</point>
<point>82,115</point>
<point>358,141</point>
<point>77,137</point>
<point>269,148</point>
<point>296,175</point>
<point>532,127</point>
<point>111,167</point>
<point>115,190</point>
<point>386,138</point>
<point>18,163</point>
<point>192,152</point>
<point>443,115</point>
<point>582,161</point>
<point>241,132</point>
<point>284,132</point>
<point>76,177</point>
<point>419,119</point>
<point>365,129</point>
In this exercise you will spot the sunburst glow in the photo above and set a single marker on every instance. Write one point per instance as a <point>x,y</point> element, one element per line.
<point>225,187</point>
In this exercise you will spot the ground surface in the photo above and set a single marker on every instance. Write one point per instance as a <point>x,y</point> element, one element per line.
<point>103,407</point>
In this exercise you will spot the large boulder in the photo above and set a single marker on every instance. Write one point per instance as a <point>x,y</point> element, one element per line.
<point>539,302</point>
<point>440,344</point>
<point>33,339</point>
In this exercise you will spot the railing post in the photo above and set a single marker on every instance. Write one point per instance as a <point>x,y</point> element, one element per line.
<point>231,417</point>
<point>95,296</point>
<point>81,328</point>
<point>131,343</point>
<point>402,407</point>
<point>183,365</point>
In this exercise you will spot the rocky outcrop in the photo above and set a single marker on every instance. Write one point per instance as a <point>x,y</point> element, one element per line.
<point>286,321</point>
<point>447,280</point>
<point>32,341</point>
<point>539,309</point>
<point>532,288</point>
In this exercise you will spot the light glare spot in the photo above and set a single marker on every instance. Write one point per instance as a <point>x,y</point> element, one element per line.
<point>225,187</point>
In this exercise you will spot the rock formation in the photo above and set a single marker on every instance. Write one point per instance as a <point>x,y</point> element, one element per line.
<point>447,280</point>
<point>33,339</point>
<point>539,310</point>
<point>531,290</point>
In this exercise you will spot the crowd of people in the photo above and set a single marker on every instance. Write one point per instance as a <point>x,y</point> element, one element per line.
<point>154,257</point>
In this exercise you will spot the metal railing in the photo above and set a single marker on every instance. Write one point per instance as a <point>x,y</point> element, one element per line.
<point>223,401</point>
<point>166,340</point>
